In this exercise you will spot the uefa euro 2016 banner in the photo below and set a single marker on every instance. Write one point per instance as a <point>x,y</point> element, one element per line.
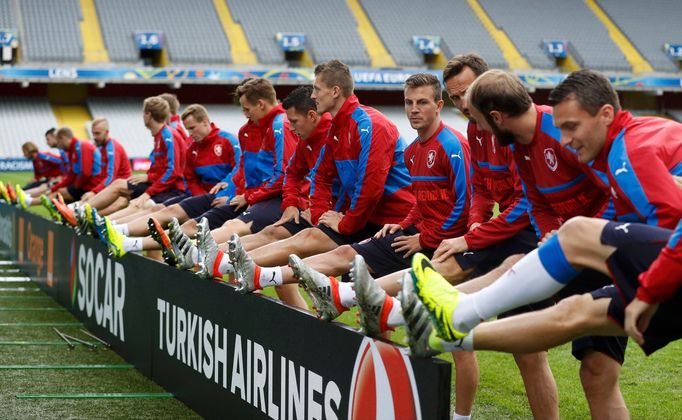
<point>216,350</point>
<point>364,78</point>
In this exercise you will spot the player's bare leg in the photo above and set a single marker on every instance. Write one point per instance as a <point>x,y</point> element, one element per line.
<point>118,204</point>
<point>138,226</point>
<point>109,194</point>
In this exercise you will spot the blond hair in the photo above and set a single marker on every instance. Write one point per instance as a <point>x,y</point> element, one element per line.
<point>257,88</point>
<point>157,107</point>
<point>197,111</point>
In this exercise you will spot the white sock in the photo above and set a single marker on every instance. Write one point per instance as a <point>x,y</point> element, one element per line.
<point>347,295</point>
<point>132,244</point>
<point>70,205</point>
<point>270,276</point>
<point>526,282</point>
<point>225,266</point>
<point>456,416</point>
<point>395,316</point>
<point>465,344</point>
<point>123,228</point>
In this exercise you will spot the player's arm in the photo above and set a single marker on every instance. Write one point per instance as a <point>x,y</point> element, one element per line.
<point>175,164</point>
<point>272,187</point>
<point>482,202</point>
<point>233,157</point>
<point>321,185</point>
<point>374,163</point>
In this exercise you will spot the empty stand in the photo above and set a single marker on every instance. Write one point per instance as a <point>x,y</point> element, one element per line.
<point>51,30</point>
<point>125,123</point>
<point>460,30</point>
<point>330,29</point>
<point>648,26</point>
<point>194,34</point>
<point>7,15</point>
<point>528,22</point>
<point>21,120</point>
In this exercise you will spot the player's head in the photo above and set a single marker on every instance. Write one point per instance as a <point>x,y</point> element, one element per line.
<point>333,84</point>
<point>30,150</point>
<point>257,96</point>
<point>197,122</point>
<point>459,73</point>
<point>173,103</point>
<point>50,137</point>
<point>64,136</point>
<point>155,109</point>
<point>423,101</point>
<point>100,130</point>
<point>301,111</point>
<point>585,105</point>
<point>495,99</point>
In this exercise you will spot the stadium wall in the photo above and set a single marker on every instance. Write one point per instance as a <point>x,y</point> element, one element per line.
<point>221,353</point>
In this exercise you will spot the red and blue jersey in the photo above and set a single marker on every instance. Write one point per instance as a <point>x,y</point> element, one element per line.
<point>85,163</point>
<point>64,167</point>
<point>558,186</point>
<point>365,151</point>
<point>278,144</point>
<point>640,156</point>
<point>303,164</point>
<point>495,180</point>
<point>664,276</point>
<point>248,176</point>
<point>168,162</point>
<point>176,124</point>
<point>47,165</point>
<point>212,160</point>
<point>115,163</point>
<point>440,171</point>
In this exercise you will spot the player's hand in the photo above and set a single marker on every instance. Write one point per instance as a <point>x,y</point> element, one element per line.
<point>474,226</point>
<point>218,201</point>
<point>638,314</point>
<point>409,244</point>
<point>332,219</point>
<point>305,215</point>
<point>450,247</point>
<point>238,201</point>
<point>546,237</point>
<point>289,213</point>
<point>388,229</point>
<point>217,187</point>
<point>88,195</point>
<point>138,179</point>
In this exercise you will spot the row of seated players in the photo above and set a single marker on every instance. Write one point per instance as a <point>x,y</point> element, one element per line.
<point>365,184</point>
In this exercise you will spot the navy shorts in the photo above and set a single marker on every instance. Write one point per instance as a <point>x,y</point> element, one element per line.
<point>217,216</point>
<point>381,257</point>
<point>34,184</point>
<point>197,205</point>
<point>164,196</point>
<point>366,232</point>
<point>638,246</point>
<point>176,199</point>
<point>137,190</point>
<point>74,192</point>
<point>294,228</point>
<point>262,214</point>
<point>484,260</point>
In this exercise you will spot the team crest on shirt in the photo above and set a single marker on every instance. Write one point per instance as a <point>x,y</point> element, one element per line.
<point>550,159</point>
<point>218,149</point>
<point>430,158</point>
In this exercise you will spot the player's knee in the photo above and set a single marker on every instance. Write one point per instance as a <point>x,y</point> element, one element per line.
<point>450,270</point>
<point>189,228</point>
<point>531,362</point>
<point>270,232</point>
<point>344,253</point>
<point>465,360</point>
<point>570,313</point>
<point>599,372</point>
<point>574,234</point>
<point>157,207</point>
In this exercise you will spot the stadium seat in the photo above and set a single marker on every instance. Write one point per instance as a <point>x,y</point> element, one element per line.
<point>329,26</point>
<point>21,120</point>
<point>528,22</point>
<point>192,30</point>
<point>648,28</point>
<point>51,31</point>
<point>460,30</point>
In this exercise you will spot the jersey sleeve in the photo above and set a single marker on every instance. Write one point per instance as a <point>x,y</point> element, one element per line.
<point>323,177</point>
<point>175,167</point>
<point>542,216</point>
<point>482,202</point>
<point>234,160</point>
<point>510,222</point>
<point>294,178</point>
<point>285,143</point>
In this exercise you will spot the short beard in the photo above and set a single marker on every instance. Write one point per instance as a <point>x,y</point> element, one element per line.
<point>504,138</point>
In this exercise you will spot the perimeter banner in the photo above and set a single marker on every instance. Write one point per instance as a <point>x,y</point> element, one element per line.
<point>222,353</point>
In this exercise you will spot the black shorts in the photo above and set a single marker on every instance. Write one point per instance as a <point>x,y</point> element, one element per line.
<point>484,260</point>
<point>589,281</point>
<point>381,257</point>
<point>137,190</point>
<point>262,214</point>
<point>217,216</point>
<point>197,205</point>
<point>74,192</point>
<point>638,246</point>
<point>176,199</point>
<point>34,184</point>
<point>366,232</point>
<point>294,228</point>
